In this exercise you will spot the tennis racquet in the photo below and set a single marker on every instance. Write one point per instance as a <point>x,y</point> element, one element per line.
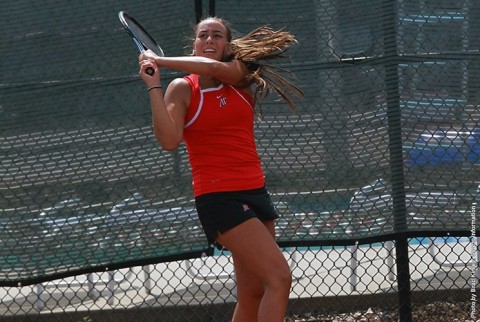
<point>140,37</point>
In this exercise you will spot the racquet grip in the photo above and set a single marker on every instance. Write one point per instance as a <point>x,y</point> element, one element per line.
<point>150,71</point>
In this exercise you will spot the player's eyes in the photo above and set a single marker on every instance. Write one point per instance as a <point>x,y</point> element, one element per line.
<point>205,35</point>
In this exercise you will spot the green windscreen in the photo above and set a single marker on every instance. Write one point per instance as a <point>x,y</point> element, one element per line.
<point>386,140</point>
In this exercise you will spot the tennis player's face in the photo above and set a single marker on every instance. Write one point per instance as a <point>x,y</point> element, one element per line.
<point>211,39</point>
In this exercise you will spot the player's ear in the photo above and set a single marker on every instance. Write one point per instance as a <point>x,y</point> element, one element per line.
<point>193,47</point>
<point>228,52</point>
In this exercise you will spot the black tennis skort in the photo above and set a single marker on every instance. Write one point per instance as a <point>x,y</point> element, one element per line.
<point>222,211</point>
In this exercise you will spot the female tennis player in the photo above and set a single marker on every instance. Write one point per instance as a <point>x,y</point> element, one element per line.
<point>212,110</point>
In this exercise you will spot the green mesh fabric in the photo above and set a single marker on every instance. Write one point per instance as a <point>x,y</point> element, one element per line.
<point>385,141</point>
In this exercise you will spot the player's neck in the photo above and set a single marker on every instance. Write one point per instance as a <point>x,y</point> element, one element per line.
<point>208,82</point>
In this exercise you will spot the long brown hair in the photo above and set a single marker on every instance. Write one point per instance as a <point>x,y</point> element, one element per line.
<point>257,49</point>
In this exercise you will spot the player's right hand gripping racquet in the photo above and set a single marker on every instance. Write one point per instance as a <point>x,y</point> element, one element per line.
<point>140,37</point>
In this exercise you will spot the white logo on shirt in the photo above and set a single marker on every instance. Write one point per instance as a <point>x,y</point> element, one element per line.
<point>223,100</point>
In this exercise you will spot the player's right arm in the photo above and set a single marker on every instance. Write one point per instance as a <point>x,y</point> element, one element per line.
<point>169,110</point>
<point>232,72</point>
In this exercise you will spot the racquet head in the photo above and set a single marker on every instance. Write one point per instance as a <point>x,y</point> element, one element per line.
<point>140,36</point>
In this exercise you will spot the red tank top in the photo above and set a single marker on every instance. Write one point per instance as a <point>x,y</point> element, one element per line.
<point>220,139</point>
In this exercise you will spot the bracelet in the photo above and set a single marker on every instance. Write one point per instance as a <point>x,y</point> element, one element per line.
<point>154,86</point>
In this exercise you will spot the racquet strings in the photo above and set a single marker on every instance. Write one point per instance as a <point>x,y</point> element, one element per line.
<point>145,39</point>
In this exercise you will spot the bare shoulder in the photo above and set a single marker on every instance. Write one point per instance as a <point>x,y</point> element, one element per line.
<point>244,72</point>
<point>178,91</point>
<point>179,84</point>
<point>177,97</point>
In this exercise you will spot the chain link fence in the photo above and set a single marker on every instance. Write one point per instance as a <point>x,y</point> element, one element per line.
<point>375,177</point>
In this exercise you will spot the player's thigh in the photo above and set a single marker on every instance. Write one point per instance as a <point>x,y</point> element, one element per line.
<point>250,287</point>
<point>270,225</point>
<point>255,249</point>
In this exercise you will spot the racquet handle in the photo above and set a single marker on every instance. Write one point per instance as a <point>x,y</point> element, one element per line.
<point>150,71</point>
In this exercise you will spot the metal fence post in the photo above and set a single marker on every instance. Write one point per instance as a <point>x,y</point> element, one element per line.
<point>396,158</point>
